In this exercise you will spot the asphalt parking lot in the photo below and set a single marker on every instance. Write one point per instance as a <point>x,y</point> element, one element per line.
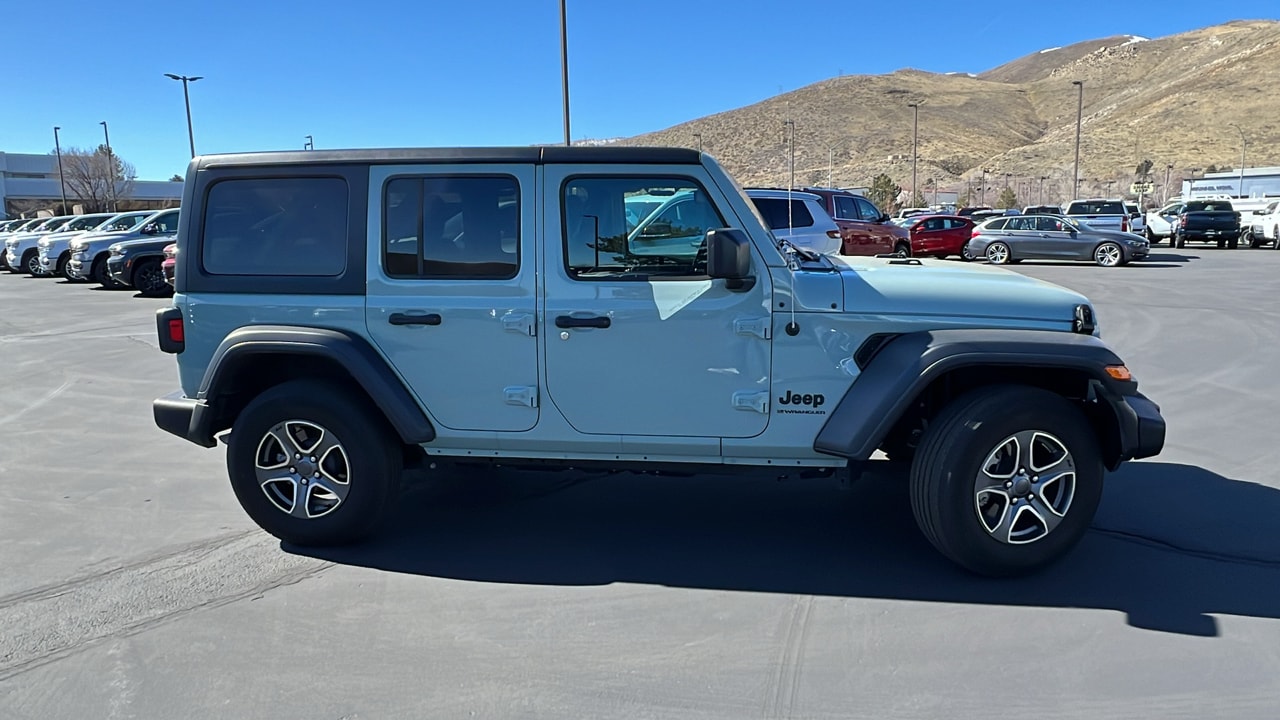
<point>134,586</point>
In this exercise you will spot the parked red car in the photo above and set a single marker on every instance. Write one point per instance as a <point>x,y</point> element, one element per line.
<point>940,236</point>
<point>864,230</point>
<point>170,262</point>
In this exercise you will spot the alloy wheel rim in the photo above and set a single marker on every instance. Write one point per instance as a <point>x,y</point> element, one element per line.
<point>997,254</point>
<point>1024,488</point>
<point>151,279</point>
<point>1107,255</point>
<point>303,469</point>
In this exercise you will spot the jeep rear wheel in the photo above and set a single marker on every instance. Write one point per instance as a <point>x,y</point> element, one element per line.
<point>313,464</point>
<point>1006,479</point>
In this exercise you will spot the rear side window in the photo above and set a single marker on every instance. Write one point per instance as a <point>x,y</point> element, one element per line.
<point>451,227</point>
<point>774,211</point>
<point>1100,207</point>
<point>275,226</point>
<point>846,208</point>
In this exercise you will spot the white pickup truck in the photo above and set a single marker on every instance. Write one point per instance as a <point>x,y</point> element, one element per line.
<point>1159,223</point>
<point>1264,225</point>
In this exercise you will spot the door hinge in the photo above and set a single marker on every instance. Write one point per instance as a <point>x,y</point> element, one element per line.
<point>752,326</point>
<point>526,395</point>
<point>753,401</point>
<point>519,323</point>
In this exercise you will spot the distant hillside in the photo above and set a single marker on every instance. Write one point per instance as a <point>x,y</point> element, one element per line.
<point>1168,100</point>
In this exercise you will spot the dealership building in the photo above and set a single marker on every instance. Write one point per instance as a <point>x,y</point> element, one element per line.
<point>1258,182</point>
<point>29,183</point>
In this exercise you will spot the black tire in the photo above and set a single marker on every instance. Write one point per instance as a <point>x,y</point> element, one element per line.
<point>101,275</point>
<point>1151,237</point>
<point>60,268</point>
<point>1232,243</point>
<point>902,250</point>
<point>1109,254</point>
<point>953,451</point>
<point>31,263</point>
<point>1007,254</point>
<point>372,451</point>
<point>1179,242</point>
<point>148,279</point>
<point>966,254</point>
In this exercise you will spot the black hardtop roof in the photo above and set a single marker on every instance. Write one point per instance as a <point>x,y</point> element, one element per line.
<point>537,155</point>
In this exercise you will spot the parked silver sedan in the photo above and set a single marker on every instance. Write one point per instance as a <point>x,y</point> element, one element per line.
<point>1053,237</point>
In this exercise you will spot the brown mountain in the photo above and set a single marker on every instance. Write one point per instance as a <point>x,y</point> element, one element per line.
<point>1169,100</point>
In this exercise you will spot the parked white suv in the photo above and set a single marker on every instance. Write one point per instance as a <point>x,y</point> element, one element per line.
<point>807,225</point>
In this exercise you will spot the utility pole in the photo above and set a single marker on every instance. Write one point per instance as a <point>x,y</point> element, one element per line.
<point>1079,118</point>
<point>699,136</point>
<point>111,170</point>
<point>984,185</point>
<point>1167,169</point>
<point>791,127</point>
<point>1240,190</point>
<point>1042,179</point>
<point>57,147</point>
<point>915,136</point>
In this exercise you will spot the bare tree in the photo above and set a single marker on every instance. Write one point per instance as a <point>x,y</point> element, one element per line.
<point>97,180</point>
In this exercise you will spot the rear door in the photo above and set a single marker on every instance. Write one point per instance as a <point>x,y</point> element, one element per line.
<point>451,295</point>
<point>880,239</point>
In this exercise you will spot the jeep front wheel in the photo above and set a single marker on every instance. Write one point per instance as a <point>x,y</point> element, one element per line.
<point>313,464</point>
<point>1006,479</point>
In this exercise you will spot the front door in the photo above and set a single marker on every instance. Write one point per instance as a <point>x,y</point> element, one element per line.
<point>452,290</point>
<point>639,341</point>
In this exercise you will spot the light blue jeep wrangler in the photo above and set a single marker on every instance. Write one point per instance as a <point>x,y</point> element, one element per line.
<point>342,313</point>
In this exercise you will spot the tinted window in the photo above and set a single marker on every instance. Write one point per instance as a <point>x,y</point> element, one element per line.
<point>867,210</point>
<point>1215,206</point>
<point>600,243</point>
<point>1048,224</point>
<point>1097,207</point>
<point>774,211</point>
<point>846,208</point>
<point>451,227</point>
<point>996,224</point>
<point>273,226</point>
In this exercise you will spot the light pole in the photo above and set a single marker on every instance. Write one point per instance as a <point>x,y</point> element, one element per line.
<point>310,144</point>
<point>915,136</point>
<point>984,186</point>
<point>699,136</point>
<point>1079,117</point>
<point>1109,184</point>
<point>1240,191</point>
<point>111,170</point>
<point>57,147</point>
<point>187,98</point>
<point>1042,179</point>
<point>1167,169</point>
<point>791,128</point>
<point>564,69</point>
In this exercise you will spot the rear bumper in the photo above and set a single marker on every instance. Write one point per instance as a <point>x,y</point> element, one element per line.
<point>183,416</point>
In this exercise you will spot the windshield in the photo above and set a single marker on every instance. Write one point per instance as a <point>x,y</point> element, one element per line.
<point>84,223</point>
<point>122,222</point>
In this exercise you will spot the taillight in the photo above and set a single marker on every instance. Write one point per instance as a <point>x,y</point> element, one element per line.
<point>975,233</point>
<point>170,329</point>
<point>833,234</point>
<point>1124,224</point>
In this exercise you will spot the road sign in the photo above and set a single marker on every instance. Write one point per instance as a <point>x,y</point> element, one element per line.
<point>1140,188</point>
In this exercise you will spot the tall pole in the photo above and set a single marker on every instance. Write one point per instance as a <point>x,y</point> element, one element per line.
<point>310,144</point>
<point>984,185</point>
<point>1240,190</point>
<point>1079,118</point>
<point>564,68</point>
<point>699,136</point>
<point>915,136</point>
<point>186,97</point>
<point>57,147</point>
<point>831,153</point>
<point>1042,179</point>
<point>1167,169</point>
<point>791,140</point>
<point>111,170</point>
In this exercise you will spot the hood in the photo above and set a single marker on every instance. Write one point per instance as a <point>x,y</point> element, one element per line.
<point>952,289</point>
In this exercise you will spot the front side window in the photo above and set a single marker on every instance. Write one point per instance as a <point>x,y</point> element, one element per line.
<point>611,230</point>
<point>867,210</point>
<point>451,227</point>
<point>273,226</point>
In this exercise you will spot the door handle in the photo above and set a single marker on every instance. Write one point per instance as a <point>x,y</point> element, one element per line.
<point>407,319</point>
<point>568,321</point>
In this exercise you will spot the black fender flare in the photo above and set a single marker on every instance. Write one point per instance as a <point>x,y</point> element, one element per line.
<point>895,372</point>
<point>352,353</point>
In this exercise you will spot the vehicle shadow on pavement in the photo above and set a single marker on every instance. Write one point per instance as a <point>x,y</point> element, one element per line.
<point>1171,545</point>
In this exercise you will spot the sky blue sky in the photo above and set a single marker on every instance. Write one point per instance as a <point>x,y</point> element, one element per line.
<point>426,73</point>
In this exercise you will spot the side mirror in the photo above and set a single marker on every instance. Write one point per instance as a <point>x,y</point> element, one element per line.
<point>884,217</point>
<point>150,229</point>
<point>729,257</point>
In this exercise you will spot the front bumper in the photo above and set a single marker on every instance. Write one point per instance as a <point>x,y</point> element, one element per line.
<point>75,268</point>
<point>11,259</point>
<point>188,418</point>
<point>1142,428</point>
<point>118,266</point>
